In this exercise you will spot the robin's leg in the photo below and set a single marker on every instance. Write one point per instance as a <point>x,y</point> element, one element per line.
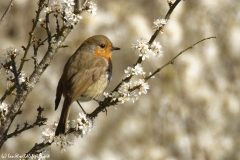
<point>98,101</point>
<point>81,107</point>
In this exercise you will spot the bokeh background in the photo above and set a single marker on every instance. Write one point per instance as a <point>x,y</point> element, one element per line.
<point>191,112</point>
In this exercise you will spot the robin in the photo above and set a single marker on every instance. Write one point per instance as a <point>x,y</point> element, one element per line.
<point>85,76</point>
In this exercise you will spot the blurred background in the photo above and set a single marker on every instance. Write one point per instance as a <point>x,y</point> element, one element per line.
<point>192,110</point>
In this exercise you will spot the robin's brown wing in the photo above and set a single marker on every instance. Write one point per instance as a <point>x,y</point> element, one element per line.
<point>81,81</point>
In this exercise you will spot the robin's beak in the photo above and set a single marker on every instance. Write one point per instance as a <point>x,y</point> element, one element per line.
<point>115,48</point>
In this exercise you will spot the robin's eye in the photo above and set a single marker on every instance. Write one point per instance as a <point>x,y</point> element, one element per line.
<point>102,45</point>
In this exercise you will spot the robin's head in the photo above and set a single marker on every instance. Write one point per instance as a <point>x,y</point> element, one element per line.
<point>100,45</point>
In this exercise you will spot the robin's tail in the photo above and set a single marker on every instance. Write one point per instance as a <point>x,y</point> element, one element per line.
<point>64,117</point>
<point>58,93</point>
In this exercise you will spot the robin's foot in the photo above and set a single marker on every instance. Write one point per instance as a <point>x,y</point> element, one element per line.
<point>100,103</point>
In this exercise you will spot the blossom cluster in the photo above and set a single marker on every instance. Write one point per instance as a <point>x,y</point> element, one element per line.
<point>9,53</point>
<point>80,127</point>
<point>92,8</point>
<point>143,46</point>
<point>136,70</point>
<point>126,91</point>
<point>65,8</point>
<point>158,23</point>
<point>6,65</point>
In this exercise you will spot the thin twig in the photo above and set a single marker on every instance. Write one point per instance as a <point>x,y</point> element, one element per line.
<point>7,92</point>
<point>172,60</point>
<point>40,120</point>
<point>7,10</point>
<point>41,6</point>
<point>26,49</point>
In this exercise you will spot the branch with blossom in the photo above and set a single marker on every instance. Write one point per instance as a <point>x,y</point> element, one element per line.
<point>68,12</point>
<point>16,78</point>
<point>21,127</point>
<point>7,10</point>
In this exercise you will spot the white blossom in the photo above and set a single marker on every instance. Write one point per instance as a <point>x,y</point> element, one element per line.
<point>156,49</point>
<point>159,23</point>
<point>41,21</point>
<point>114,96</point>
<point>4,108</point>
<point>128,71</point>
<point>64,140</point>
<point>55,6</point>
<point>71,18</point>
<point>69,3</point>
<point>143,86</point>
<point>133,96</point>
<point>10,53</point>
<point>124,98</point>
<point>92,8</point>
<point>84,124</point>
<point>137,70</point>
<point>9,76</point>
<point>143,46</point>
<point>22,77</point>
<point>124,88</point>
<point>63,7</point>
<point>126,91</point>
<point>105,94</point>
<point>48,134</point>
<point>48,10</point>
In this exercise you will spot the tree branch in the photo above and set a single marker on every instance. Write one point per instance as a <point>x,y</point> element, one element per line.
<point>40,120</point>
<point>35,76</point>
<point>7,10</point>
<point>167,17</point>
<point>173,59</point>
<point>108,101</point>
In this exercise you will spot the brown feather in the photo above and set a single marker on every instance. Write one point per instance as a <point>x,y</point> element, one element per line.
<point>58,94</point>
